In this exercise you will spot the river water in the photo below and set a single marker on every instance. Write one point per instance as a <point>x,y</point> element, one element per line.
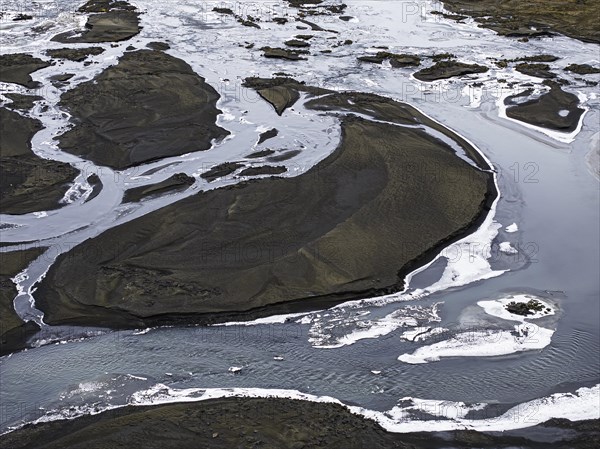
<point>351,351</point>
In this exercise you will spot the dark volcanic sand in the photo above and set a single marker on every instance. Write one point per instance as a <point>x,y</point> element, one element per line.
<point>74,54</point>
<point>111,21</point>
<point>20,101</point>
<point>96,183</point>
<point>284,53</point>
<point>147,107</point>
<point>537,70</point>
<point>353,226</point>
<point>13,331</point>
<point>582,69</point>
<point>273,132</point>
<point>396,60</point>
<point>258,154</point>
<point>574,18</point>
<point>28,183</point>
<point>176,183</point>
<point>265,423</point>
<point>448,69</point>
<point>17,68</point>
<point>281,92</point>
<point>544,111</point>
<point>263,170</point>
<point>221,170</point>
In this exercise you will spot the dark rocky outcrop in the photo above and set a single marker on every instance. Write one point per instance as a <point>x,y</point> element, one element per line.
<point>298,43</point>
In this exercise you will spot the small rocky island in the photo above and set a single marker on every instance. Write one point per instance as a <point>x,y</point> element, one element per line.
<point>530,307</point>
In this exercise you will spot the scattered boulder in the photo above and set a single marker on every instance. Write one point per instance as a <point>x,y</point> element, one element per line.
<point>61,78</point>
<point>284,156</point>
<point>21,17</point>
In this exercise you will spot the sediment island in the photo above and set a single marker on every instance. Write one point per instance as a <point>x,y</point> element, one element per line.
<point>385,202</point>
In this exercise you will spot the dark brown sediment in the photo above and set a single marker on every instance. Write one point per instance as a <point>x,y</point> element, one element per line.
<point>448,69</point>
<point>544,111</point>
<point>516,18</point>
<point>17,68</point>
<point>21,102</point>
<point>273,423</point>
<point>263,170</point>
<point>28,183</point>
<point>110,21</point>
<point>385,202</point>
<point>147,107</point>
<point>176,183</point>
<point>74,54</point>
<point>13,331</point>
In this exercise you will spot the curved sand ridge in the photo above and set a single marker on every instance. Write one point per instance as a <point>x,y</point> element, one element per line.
<point>381,205</point>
